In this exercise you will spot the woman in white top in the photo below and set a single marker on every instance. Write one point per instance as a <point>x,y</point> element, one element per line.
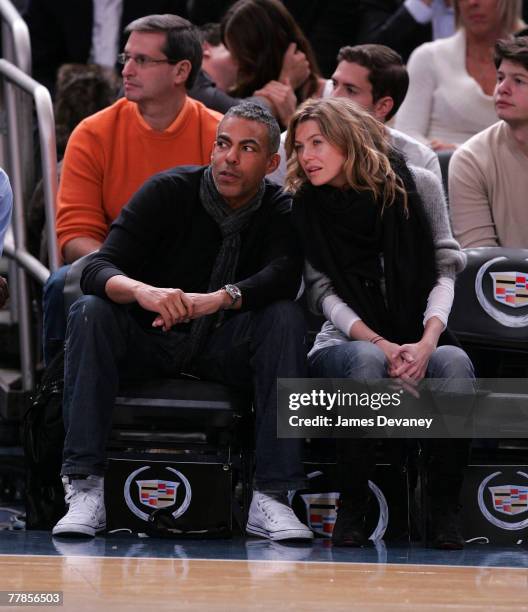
<point>452,79</point>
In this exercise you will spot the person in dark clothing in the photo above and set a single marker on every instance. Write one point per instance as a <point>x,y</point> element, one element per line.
<point>218,72</point>
<point>206,91</point>
<point>327,25</point>
<point>65,32</point>
<point>201,12</point>
<point>391,23</point>
<point>259,34</point>
<point>197,275</point>
<point>330,25</point>
<point>218,75</point>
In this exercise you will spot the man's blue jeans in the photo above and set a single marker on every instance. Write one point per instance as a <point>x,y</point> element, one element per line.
<point>54,315</point>
<point>105,345</point>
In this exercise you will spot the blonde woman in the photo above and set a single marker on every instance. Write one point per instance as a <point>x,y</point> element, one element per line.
<point>452,79</point>
<point>380,265</point>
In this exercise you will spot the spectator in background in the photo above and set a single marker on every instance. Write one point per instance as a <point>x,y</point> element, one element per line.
<point>408,24</point>
<point>332,25</point>
<point>439,13</point>
<point>327,25</point>
<point>488,175</point>
<point>110,154</point>
<point>259,33</point>
<point>374,77</point>
<point>103,165</point>
<point>6,206</point>
<point>397,24</point>
<point>219,74</point>
<point>452,79</point>
<point>81,91</point>
<point>84,31</point>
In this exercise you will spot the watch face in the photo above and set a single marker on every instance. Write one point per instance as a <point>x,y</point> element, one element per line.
<point>234,292</point>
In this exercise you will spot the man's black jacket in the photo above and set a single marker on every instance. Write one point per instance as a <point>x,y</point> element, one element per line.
<point>165,238</point>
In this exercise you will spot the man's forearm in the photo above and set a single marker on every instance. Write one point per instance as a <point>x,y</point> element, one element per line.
<point>79,247</point>
<point>122,289</point>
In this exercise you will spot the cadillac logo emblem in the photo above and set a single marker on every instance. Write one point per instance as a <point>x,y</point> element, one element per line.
<point>156,493</point>
<point>507,499</point>
<point>509,289</point>
<point>321,509</point>
<point>510,499</point>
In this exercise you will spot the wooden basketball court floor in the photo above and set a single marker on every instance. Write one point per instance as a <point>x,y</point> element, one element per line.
<point>124,572</point>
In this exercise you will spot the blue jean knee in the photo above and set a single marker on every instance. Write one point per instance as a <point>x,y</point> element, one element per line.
<point>356,359</point>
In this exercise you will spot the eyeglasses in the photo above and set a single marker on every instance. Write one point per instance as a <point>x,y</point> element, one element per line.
<point>141,60</point>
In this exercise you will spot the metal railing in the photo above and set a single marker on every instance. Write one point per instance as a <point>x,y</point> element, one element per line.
<point>22,95</point>
<point>16,45</point>
<point>16,48</point>
<point>14,79</point>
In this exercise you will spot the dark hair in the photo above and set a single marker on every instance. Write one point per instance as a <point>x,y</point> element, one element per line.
<point>182,40</point>
<point>387,73</point>
<point>210,32</point>
<point>255,112</point>
<point>258,33</point>
<point>512,49</point>
<point>81,90</point>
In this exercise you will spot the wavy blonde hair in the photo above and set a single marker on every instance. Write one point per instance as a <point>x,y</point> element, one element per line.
<point>362,140</point>
<point>510,12</point>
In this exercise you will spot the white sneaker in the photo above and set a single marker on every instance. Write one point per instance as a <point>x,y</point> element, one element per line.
<point>270,518</point>
<point>86,513</point>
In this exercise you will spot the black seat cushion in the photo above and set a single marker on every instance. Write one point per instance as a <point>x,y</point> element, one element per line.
<point>179,404</point>
<point>491,299</point>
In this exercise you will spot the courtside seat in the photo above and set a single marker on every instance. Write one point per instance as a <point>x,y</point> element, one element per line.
<point>491,299</point>
<point>490,318</point>
<point>194,435</point>
<point>180,411</point>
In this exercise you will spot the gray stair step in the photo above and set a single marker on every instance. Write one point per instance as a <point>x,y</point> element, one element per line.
<point>9,346</point>
<point>13,401</point>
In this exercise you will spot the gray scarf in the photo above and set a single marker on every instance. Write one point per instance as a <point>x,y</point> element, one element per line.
<point>231,223</point>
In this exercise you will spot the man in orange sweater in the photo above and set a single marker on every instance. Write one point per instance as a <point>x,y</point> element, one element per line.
<point>112,153</point>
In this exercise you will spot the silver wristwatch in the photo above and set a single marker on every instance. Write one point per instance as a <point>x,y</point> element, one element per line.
<point>233,292</point>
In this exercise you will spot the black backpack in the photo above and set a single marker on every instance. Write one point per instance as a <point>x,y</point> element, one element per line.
<point>42,433</point>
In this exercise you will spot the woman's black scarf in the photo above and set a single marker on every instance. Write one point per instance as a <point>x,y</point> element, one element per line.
<point>344,232</point>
